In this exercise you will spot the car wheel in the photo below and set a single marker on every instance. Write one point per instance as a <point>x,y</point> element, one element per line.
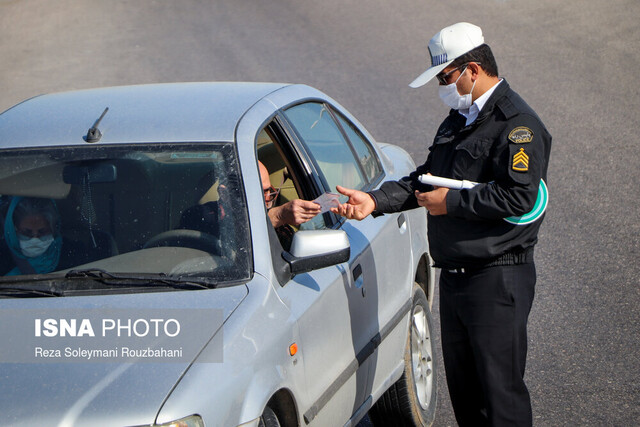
<point>411,401</point>
<point>269,418</point>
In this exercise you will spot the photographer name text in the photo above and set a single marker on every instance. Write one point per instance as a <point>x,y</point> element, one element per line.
<point>111,353</point>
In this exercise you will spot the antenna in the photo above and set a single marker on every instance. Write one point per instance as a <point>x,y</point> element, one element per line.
<point>94,134</point>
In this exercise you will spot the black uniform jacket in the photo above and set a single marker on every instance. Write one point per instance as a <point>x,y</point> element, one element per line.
<point>506,150</point>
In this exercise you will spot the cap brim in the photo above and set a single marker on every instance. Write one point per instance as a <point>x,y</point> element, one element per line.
<point>428,75</point>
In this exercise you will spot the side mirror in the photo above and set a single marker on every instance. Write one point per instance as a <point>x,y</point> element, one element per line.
<point>314,249</point>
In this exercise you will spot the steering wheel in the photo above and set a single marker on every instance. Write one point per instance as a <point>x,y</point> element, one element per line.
<point>186,238</point>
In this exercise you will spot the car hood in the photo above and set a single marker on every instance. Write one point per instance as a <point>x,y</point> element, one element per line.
<point>87,393</point>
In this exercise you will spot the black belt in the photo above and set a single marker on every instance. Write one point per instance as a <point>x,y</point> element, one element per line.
<point>509,258</point>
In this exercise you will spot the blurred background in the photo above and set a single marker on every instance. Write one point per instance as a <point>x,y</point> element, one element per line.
<point>574,62</point>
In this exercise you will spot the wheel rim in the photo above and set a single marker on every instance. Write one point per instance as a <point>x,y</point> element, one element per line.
<point>421,357</point>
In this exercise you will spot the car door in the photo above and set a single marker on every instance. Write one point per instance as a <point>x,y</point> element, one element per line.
<point>319,301</point>
<point>355,312</point>
<point>381,262</point>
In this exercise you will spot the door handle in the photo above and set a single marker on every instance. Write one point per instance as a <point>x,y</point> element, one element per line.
<point>402,222</point>
<point>358,278</point>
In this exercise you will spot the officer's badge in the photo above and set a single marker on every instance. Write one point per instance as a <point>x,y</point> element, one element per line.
<point>521,135</point>
<point>520,161</point>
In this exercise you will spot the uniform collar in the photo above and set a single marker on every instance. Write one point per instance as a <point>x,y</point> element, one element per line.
<point>494,100</point>
<point>471,113</point>
<point>455,122</point>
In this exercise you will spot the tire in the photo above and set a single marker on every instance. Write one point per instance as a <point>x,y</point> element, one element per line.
<point>411,401</point>
<point>269,418</point>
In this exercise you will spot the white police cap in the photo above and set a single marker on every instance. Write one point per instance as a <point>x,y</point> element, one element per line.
<point>450,43</point>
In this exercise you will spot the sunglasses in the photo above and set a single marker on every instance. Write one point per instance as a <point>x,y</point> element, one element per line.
<point>443,79</point>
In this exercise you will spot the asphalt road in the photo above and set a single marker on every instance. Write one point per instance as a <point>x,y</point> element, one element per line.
<point>574,61</point>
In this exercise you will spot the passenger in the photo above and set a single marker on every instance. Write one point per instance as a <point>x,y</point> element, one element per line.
<point>33,239</point>
<point>294,212</point>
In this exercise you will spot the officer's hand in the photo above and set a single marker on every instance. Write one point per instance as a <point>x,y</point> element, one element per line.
<point>435,201</point>
<point>359,205</point>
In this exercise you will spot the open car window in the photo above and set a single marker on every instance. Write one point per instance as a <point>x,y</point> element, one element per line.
<point>289,171</point>
<point>174,210</point>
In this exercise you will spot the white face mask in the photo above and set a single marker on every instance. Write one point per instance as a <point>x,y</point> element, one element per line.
<point>450,96</point>
<point>35,246</point>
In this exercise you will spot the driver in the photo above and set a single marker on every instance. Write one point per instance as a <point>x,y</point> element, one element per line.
<point>292,213</point>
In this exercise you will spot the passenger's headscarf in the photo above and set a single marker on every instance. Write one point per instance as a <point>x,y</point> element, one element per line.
<point>45,263</point>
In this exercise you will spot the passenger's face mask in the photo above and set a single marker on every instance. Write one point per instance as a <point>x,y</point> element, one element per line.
<point>450,96</point>
<point>35,246</point>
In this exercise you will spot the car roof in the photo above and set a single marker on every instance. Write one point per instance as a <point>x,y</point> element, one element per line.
<point>170,112</point>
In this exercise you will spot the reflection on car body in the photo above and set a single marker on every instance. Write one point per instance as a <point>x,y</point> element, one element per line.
<point>163,195</point>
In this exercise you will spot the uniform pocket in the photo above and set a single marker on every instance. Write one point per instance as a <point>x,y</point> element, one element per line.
<point>471,155</point>
<point>476,148</point>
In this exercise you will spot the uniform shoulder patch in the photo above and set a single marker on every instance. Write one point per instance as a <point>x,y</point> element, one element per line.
<point>520,161</point>
<point>521,135</point>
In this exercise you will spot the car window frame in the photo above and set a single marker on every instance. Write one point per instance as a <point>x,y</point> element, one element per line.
<point>334,113</point>
<point>304,168</point>
<point>303,151</point>
<point>296,159</point>
<point>309,151</point>
<point>371,183</point>
<point>310,184</point>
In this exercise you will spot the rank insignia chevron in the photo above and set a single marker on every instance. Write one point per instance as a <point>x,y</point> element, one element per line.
<point>520,161</point>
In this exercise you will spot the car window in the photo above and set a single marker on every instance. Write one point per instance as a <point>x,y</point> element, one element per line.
<point>285,175</point>
<point>321,135</point>
<point>366,155</point>
<point>172,209</point>
<point>281,179</point>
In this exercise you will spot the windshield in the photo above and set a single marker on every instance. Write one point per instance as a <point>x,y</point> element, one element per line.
<point>175,210</point>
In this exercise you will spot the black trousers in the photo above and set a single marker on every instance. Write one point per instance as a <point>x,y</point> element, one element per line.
<point>483,317</point>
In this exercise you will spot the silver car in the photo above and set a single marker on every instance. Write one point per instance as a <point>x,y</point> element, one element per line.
<point>143,284</point>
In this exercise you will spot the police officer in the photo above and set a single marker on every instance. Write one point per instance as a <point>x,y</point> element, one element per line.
<point>491,136</point>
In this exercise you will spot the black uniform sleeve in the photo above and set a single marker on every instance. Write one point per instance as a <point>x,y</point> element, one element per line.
<point>396,196</point>
<point>519,161</point>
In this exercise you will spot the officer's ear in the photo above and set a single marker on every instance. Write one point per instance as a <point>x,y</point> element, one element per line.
<point>474,69</point>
